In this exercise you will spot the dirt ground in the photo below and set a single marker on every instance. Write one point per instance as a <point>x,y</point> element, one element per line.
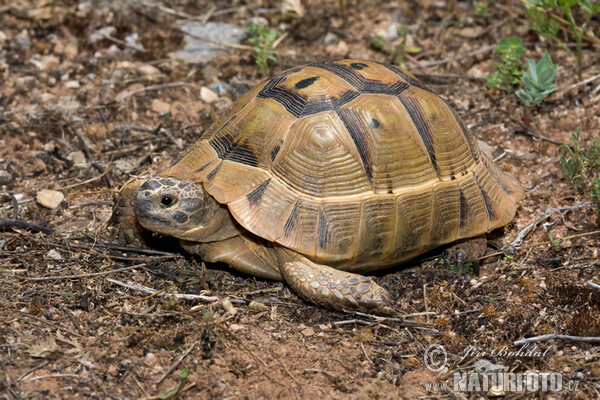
<point>85,107</point>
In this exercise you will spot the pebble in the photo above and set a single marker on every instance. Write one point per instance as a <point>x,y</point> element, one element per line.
<point>72,85</point>
<point>77,157</point>
<point>207,95</point>
<point>329,38</point>
<point>3,38</point>
<point>150,358</point>
<point>5,177</point>
<point>202,51</point>
<point>147,69</point>
<point>50,198</point>
<point>228,306</point>
<point>159,106</point>
<point>307,332</point>
<point>54,255</point>
<point>218,87</point>
<point>256,306</point>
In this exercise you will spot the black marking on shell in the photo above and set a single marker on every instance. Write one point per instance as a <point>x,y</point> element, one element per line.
<point>228,148</point>
<point>275,151</point>
<point>364,85</point>
<point>291,221</point>
<point>255,195</point>
<point>304,83</point>
<point>416,115</point>
<point>493,170</point>
<point>213,173</point>
<point>202,168</point>
<point>405,76</point>
<point>489,209</point>
<point>359,65</point>
<point>297,105</point>
<point>374,123</point>
<point>322,229</point>
<point>354,125</point>
<point>463,209</point>
<point>179,216</point>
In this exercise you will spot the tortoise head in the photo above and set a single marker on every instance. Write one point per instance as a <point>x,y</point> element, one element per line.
<point>177,207</point>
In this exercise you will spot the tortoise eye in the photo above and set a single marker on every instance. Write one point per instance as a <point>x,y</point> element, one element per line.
<point>167,201</point>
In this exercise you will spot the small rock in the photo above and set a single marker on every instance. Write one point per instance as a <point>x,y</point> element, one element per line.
<point>159,106</point>
<point>3,38</point>
<point>202,51</point>
<point>38,165</point>
<point>49,63</point>
<point>54,255</point>
<point>125,65</point>
<point>329,38</point>
<point>256,306</point>
<point>50,198</point>
<point>46,97</point>
<point>227,306</point>
<point>292,9</point>
<point>77,157</point>
<point>5,177</point>
<point>218,87</point>
<point>25,82</point>
<point>235,327</point>
<point>207,95</point>
<point>150,358</point>
<point>308,332</point>
<point>71,51</point>
<point>147,69</point>
<point>72,85</point>
<point>341,49</point>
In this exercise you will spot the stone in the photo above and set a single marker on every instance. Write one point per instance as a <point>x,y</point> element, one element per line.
<point>159,106</point>
<point>50,198</point>
<point>207,95</point>
<point>201,51</point>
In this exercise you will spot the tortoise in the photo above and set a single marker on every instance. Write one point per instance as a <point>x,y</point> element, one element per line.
<point>324,172</point>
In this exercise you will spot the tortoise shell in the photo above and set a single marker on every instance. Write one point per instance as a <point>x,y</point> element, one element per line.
<point>353,163</point>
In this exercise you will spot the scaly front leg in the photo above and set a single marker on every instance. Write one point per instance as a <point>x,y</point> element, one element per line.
<point>329,287</point>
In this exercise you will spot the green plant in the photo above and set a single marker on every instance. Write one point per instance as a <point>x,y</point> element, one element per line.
<point>399,49</point>
<point>581,166</point>
<point>481,9</point>
<point>538,81</point>
<point>508,67</point>
<point>547,17</point>
<point>262,39</point>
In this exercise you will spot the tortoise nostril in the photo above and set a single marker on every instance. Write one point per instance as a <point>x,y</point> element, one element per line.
<point>167,201</point>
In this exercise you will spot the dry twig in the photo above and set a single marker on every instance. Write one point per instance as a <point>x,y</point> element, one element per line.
<point>148,290</point>
<point>584,339</point>
<point>519,239</point>
<point>176,363</point>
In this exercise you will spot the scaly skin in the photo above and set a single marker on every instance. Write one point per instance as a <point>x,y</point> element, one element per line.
<point>125,226</point>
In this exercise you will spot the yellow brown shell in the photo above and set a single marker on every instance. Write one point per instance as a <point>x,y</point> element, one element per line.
<point>353,163</point>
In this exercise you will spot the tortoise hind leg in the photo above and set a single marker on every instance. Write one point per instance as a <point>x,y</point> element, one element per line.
<point>332,288</point>
<point>466,251</point>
